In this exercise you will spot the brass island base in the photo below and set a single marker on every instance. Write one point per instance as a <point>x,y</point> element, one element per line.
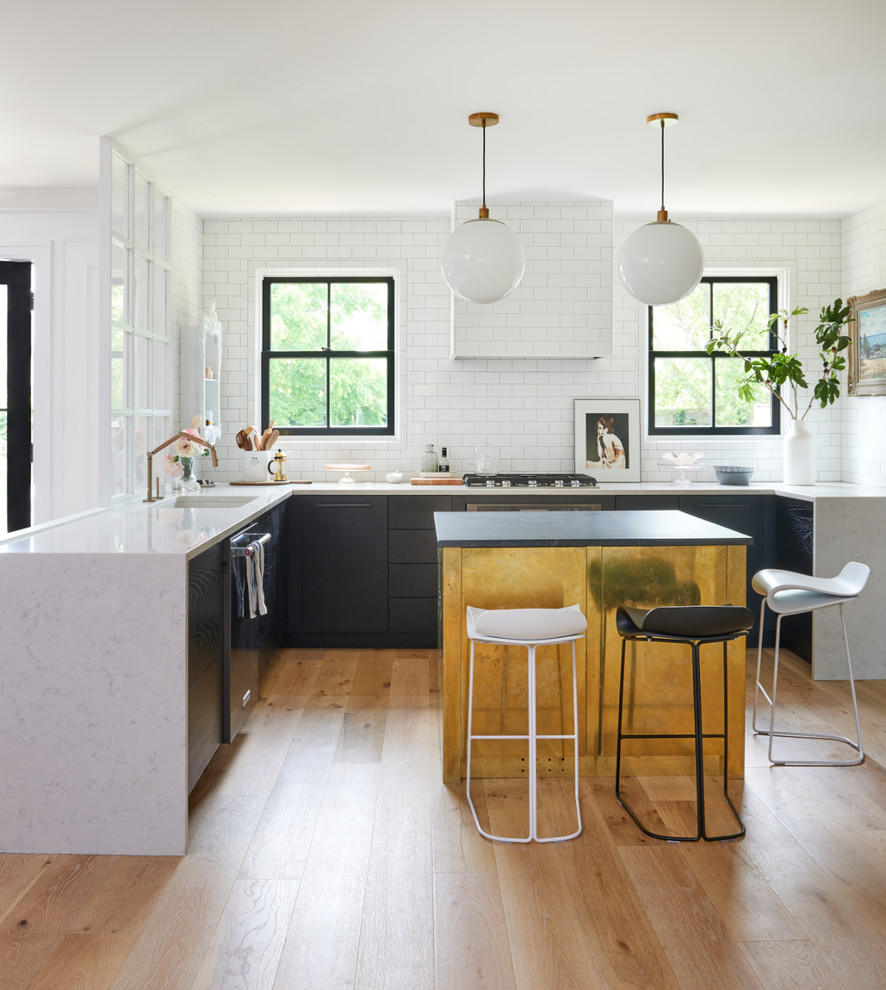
<point>657,689</point>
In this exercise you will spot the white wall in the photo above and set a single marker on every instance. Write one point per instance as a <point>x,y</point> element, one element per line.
<point>864,270</point>
<point>62,241</point>
<point>522,407</point>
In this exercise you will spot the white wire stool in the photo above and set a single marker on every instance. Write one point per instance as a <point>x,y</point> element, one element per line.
<point>529,627</point>
<point>791,593</point>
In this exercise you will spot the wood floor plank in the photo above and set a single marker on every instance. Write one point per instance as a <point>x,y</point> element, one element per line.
<point>595,932</point>
<point>749,908</point>
<point>846,927</point>
<point>791,966</point>
<point>470,933</point>
<point>320,950</point>
<point>698,946</point>
<point>245,950</point>
<point>457,846</point>
<point>411,754</point>
<point>282,839</point>
<point>17,874</point>
<point>169,951</point>
<point>397,933</point>
<point>83,962</point>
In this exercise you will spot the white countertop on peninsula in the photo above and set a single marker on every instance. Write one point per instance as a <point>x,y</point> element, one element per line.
<point>137,527</point>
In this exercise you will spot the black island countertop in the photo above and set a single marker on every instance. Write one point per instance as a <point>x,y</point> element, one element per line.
<point>580,529</point>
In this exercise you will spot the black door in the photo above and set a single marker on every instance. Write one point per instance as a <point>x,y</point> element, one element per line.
<point>15,394</point>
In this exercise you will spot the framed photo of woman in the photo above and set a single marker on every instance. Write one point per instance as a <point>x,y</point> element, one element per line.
<point>607,439</point>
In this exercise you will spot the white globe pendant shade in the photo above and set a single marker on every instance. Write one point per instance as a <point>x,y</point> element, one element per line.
<point>661,262</point>
<point>483,260</point>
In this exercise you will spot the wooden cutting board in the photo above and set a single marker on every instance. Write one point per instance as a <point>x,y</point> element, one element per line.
<point>269,482</point>
<point>435,481</point>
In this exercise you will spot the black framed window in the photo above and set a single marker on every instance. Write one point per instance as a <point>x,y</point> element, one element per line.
<point>695,393</point>
<point>327,359</point>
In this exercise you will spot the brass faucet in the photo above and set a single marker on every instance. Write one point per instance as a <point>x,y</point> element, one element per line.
<point>188,436</point>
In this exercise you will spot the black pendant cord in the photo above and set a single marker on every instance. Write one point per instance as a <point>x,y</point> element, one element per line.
<point>662,164</point>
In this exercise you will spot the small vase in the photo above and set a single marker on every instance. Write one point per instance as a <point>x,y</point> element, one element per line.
<point>188,481</point>
<point>798,455</point>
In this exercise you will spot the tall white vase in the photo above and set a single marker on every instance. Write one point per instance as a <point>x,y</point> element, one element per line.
<point>798,455</point>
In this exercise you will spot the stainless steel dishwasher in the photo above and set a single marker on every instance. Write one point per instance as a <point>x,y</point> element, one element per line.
<point>242,656</point>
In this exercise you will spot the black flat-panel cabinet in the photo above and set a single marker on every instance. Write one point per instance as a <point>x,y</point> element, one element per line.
<point>206,649</point>
<point>342,555</point>
<point>412,567</point>
<point>753,515</point>
<point>794,553</point>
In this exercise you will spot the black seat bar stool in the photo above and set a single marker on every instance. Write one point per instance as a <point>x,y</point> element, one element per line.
<point>695,625</point>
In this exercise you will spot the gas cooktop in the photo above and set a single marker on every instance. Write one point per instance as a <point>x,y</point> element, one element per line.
<point>529,481</point>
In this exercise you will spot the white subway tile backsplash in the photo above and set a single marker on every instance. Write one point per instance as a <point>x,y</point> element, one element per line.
<point>524,406</point>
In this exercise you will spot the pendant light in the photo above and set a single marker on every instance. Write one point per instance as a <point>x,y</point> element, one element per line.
<point>483,260</point>
<point>661,262</point>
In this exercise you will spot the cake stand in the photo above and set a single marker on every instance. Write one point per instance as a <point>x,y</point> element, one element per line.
<point>681,481</point>
<point>346,470</point>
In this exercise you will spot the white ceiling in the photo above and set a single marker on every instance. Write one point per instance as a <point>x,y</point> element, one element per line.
<point>341,106</point>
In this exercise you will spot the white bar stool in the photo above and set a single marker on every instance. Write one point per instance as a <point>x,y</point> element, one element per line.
<point>529,627</point>
<point>790,593</point>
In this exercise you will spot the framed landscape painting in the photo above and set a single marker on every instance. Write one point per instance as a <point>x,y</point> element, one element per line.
<point>607,439</point>
<point>867,353</point>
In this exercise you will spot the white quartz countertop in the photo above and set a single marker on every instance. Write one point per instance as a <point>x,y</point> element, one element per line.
<point>150,528</point>
<point>156,528</point>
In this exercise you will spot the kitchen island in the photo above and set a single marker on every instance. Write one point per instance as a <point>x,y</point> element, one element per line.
<point>597,560</point>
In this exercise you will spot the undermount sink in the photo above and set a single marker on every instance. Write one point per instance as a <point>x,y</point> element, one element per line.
<point>206,502</point>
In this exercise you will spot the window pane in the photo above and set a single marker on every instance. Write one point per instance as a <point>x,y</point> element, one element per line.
<point>730,409</point>
<point>119,257</point>
<point>744,306</point>
<point>120,443</point>
<point>119,197</point>
<point>141,195</point>
<point>298,316</point>
<point>358,388</point>
<point>160,354</point>
<point>297,391</point>
<point>359,319</point>
<point>684,325</point>
<point>682,392</point>
<point>119,344</point>
<point>158,310</point>
<point>141,368</point>
<point>140,289</point>
<point>161,226</point>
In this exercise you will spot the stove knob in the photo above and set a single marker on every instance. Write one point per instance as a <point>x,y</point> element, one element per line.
<point>533,483</point>
<point>575,483</point>
<point>558,483</point>
<point>490,483</point>
<point>506,483</point>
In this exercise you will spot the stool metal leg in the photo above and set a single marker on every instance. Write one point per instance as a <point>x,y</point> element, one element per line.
<point>574,737</point>
<point>772,732</point>
<point>698,735</point>
<point>531,738</point>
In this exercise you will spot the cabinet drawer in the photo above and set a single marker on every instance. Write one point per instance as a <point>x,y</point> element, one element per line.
<point>647,502</point>
<point>416,511</point>
<point>413,615</point>
<point>412,546</point>
<point>412,580</point>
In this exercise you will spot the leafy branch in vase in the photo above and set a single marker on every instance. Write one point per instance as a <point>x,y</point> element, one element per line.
<point>782,368</point>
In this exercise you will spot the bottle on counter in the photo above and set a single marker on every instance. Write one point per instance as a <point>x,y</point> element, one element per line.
<point>429,459</point>
<point>444,462</point>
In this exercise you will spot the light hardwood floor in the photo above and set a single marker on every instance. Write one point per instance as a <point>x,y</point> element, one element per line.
<point>325,853</point>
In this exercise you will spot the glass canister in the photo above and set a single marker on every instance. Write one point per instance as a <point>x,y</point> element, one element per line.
<point>429,459</point>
